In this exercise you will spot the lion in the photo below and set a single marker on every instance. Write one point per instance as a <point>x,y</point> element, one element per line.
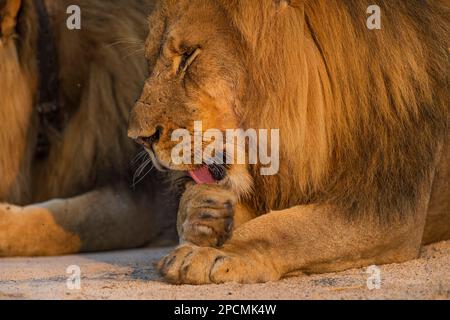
<point>75,196</point>
<point>363,115</point>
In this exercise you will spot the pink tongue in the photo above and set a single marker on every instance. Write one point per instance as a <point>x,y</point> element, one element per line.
<point>202,176</point>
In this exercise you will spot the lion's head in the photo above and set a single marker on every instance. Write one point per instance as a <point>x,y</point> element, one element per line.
<point>198,73</point>
<point>359,111</point>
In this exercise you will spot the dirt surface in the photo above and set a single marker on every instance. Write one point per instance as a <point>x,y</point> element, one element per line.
<point>130,275</point>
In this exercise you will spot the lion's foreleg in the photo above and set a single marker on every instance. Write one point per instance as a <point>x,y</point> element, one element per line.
<point>311,239</point>
<point>208,214</point>
<point>106,219</point>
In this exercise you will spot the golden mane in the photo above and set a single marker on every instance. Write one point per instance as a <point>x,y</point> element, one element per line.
<point>367,134</point>
<point>101,74</point>
<point>17,82</point>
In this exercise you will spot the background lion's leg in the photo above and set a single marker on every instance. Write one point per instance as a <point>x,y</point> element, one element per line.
<point>107,219</point>
<point>33,231</point>
<point>311,239</point>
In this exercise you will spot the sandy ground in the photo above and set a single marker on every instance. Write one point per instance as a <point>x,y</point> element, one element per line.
<point>130,275</point>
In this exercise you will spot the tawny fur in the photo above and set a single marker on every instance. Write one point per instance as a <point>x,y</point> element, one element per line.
<point>18,84</point>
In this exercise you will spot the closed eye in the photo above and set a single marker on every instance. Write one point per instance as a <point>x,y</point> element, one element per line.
<point>187,59</point>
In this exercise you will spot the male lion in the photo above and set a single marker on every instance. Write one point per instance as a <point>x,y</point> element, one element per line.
<point>84,159</point>
<point>365,155</point>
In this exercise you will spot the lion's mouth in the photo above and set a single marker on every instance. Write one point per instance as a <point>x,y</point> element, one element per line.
<point>205,174</point>
<point>208,174</point>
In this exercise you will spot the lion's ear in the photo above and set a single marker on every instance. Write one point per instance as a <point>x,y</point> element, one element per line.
<point>9,9</point>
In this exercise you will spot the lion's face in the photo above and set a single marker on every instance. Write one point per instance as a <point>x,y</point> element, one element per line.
<point>197,74</point>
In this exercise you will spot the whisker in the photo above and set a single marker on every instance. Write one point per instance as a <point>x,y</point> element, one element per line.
<point>129,41</point>
<point>140,161</point>
<point>135,183</point>
<point>141,168</point>
<point>131,54</point>
<point>139,156</point>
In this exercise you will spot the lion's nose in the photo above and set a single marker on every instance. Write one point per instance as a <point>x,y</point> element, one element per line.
<point>149,141</point>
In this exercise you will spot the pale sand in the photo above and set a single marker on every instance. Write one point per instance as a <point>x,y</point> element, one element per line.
<point>130,275</point>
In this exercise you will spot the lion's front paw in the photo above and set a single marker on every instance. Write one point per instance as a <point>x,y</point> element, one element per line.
<point>206,215</point>
<point>190,264</point>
